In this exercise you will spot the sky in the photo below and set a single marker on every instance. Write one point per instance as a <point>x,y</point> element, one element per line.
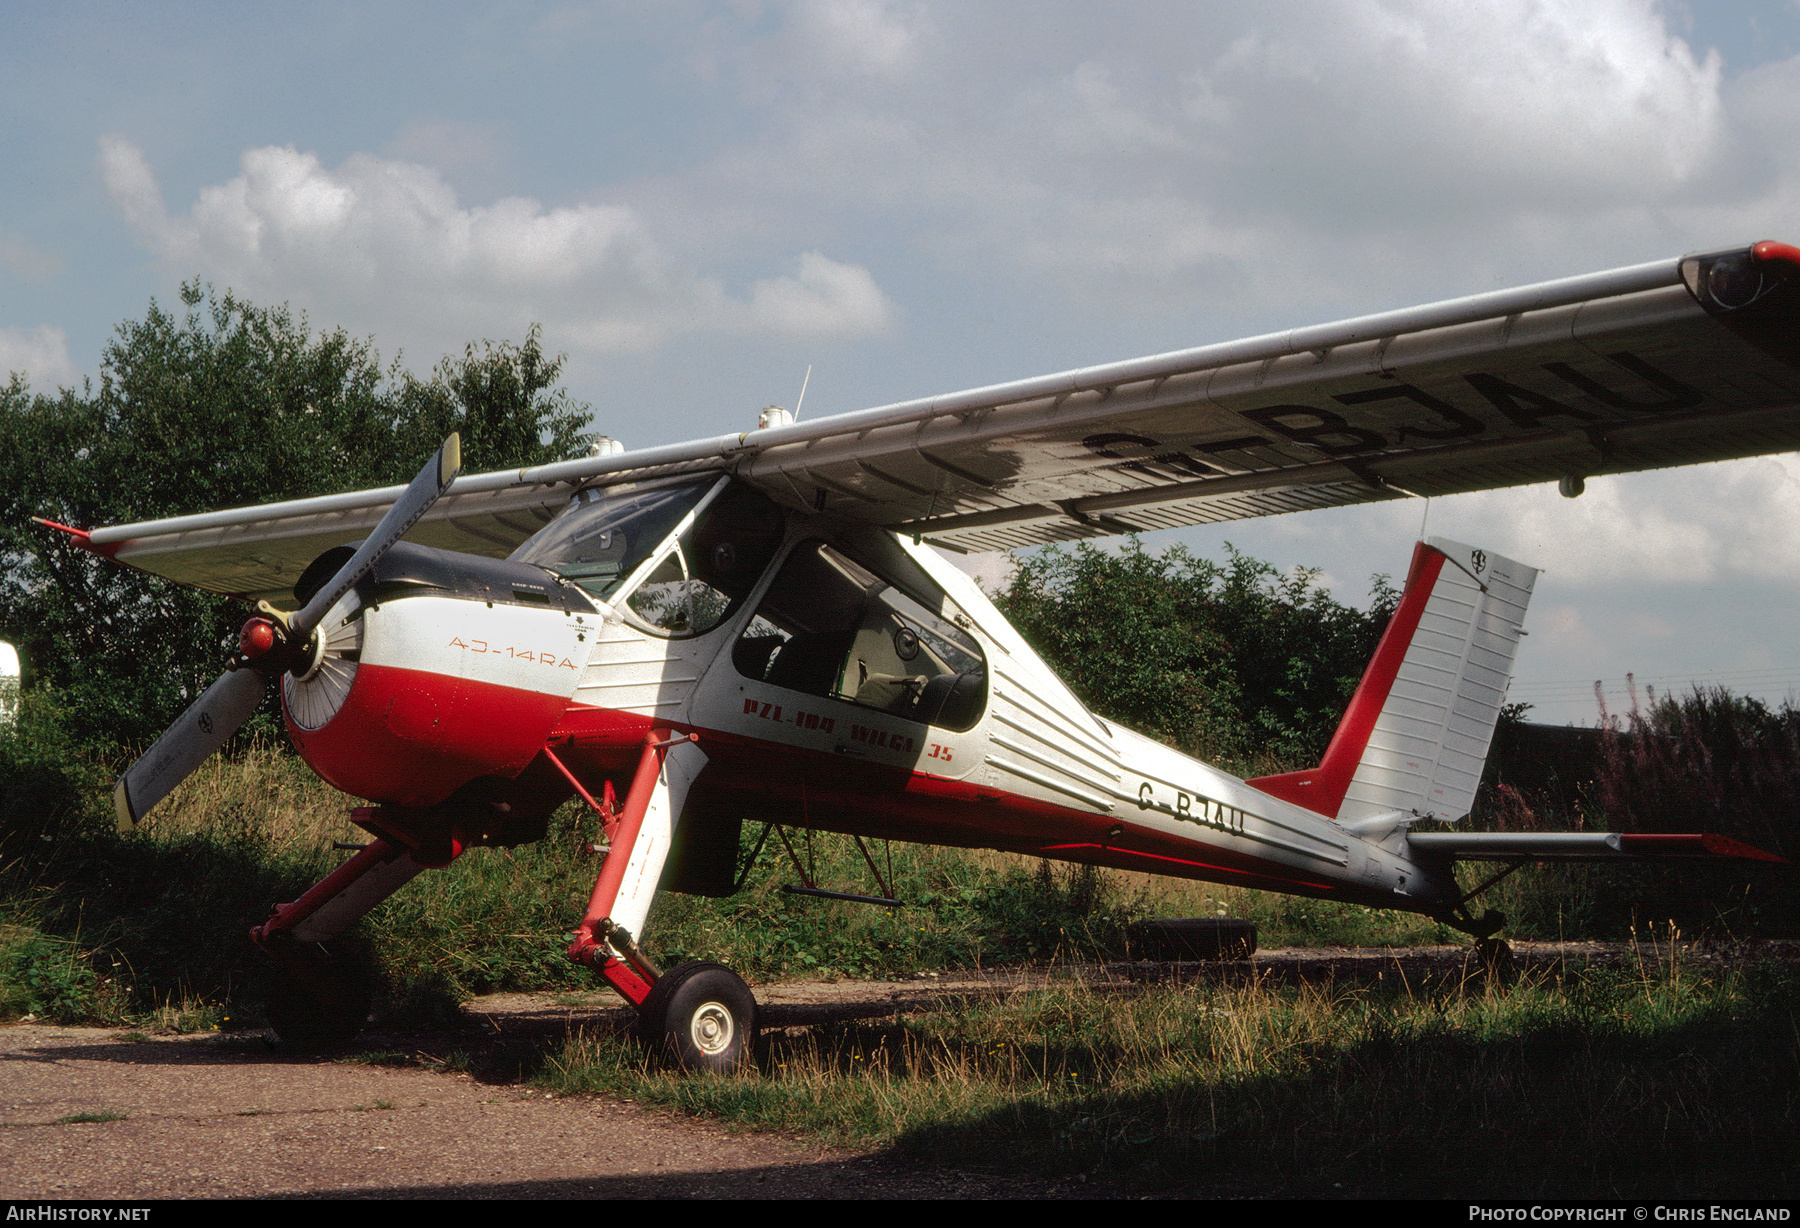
<point>698,202</point>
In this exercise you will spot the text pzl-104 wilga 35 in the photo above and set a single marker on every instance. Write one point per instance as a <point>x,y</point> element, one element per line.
<point>755,627</point>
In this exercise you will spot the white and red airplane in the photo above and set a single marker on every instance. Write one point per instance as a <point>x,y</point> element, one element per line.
<point>755,627</point>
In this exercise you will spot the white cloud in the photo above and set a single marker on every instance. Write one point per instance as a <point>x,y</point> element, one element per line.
<point>467,152</point>
<point>133,187</point>
<point>826,299</point>
<point>1526,98</point>
<point>993,570</point>
<point>40,354</point>
<point>385,241</point>
<point>1685,528</point>
<point>1291,152</point>
<point>863,38</point>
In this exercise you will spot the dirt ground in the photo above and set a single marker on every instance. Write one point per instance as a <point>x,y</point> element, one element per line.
<point>91,1113</point>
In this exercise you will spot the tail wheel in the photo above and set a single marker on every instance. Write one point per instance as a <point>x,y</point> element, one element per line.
<point>1496,958</point>
<point>700,1016</point>
<point>318,996</point>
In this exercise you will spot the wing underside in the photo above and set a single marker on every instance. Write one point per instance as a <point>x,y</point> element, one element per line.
<point>1640,380</point>
<point>1656,365</point>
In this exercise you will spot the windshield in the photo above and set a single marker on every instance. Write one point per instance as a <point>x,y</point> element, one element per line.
<point>610,530</point>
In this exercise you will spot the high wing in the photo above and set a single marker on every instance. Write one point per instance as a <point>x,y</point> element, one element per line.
<point>1659,364</point>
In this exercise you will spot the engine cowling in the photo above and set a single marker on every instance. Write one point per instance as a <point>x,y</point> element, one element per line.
<point>443,669</point>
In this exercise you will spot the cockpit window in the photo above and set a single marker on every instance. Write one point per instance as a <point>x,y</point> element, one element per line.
<point>697,579</point>
<point>601,540</point>
<point>712,567</point>
<point>829,626</point>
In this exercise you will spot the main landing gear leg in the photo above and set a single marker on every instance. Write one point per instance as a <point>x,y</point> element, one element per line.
<point>700,1016</point>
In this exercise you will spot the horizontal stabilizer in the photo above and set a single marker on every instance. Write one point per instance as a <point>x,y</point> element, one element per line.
<point>1582,846</point>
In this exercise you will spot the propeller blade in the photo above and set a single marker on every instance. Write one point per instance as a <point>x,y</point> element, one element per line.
<point>186,744</point>
<point>211,720</point>
<point>431,482</point>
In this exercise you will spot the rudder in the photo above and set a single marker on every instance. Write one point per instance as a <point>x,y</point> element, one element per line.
<point>1415,736</point>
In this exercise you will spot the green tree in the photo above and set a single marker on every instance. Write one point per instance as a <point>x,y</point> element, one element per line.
<point>1234,661</point>
<point>225,405</point>
<point>504,400</point>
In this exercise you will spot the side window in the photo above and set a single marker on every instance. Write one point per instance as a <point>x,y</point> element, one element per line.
<point>713,566</point>
<point>831,627</point>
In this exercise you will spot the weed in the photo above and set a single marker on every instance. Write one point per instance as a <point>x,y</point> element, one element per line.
<point>458,1061</point>
<point>963,909</point>
<point>1647,1080</point>
<point>142,929</point>
<point>53,978</point>
<point>186,1015</point>
<point>378,1057</point>
<point>80,1119</point>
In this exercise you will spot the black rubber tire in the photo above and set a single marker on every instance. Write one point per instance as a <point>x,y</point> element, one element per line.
<point>1194,938</point>
<point>1496,956</point>
<point>700,1017</point>
<point>317,997</point>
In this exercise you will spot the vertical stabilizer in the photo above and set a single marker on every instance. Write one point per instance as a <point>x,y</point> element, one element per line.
<point>1416,734</point>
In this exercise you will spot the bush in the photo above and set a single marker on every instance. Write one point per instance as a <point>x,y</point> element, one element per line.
<point>1234,662</point>
<point>222,405</point>
<point>1708,761</point>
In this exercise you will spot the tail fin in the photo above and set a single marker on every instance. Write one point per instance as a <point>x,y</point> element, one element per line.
<point>1415,736</point>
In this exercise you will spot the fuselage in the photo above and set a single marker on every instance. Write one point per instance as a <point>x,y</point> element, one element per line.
<point>839,677</point>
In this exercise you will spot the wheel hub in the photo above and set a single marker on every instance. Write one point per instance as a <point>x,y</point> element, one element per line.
<point>712,1028</point>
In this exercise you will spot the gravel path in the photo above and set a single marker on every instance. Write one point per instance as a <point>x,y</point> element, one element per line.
<point>212,1117</point>
<point>231,1116</point>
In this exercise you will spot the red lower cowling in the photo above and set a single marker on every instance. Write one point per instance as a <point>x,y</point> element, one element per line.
<point>411,738</point>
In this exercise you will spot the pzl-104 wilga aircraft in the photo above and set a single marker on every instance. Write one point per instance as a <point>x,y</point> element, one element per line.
<point>756,626</point>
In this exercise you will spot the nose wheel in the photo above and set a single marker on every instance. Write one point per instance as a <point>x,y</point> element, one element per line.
<point>700,1016</point>
<point>318,997</point>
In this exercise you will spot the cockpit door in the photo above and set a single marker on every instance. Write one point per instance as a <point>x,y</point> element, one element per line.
<point>853,652</point>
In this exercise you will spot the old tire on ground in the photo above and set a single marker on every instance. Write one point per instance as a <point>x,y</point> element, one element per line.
<point>317,996</point>
<point>700,1016</point>
<point>1194,938</point>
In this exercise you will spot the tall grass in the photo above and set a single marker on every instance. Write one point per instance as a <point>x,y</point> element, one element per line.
<point>98,926</point>
<point>1636,1082</point>
<point>1707,761</point>
<point>108,925</point>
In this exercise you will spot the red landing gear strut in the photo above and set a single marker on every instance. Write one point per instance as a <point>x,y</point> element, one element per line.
<point>699,1015</point>
<point>321,993</point>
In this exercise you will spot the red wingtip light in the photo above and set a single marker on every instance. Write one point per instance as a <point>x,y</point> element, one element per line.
<point>257,638</point>
<point>1769,252</point>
